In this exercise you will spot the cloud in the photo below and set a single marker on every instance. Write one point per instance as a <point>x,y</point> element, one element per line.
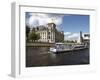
<point>71,36</point>
<point>35,19</point>
<point>67,33</point>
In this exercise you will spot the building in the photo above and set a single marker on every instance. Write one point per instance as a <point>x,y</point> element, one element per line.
<point>80,40</point>
<point>49,33</point>
<point>84,38</point>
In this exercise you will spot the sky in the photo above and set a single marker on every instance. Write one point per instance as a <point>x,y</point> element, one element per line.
<point>70,24</point>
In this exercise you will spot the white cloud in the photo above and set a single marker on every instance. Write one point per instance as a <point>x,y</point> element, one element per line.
<point>71,36</point>
<point>42,19</point>
<point>67,33</point>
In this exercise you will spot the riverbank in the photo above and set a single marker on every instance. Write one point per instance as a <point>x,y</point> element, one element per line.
<point>44,44</point>
<point>37,44</point>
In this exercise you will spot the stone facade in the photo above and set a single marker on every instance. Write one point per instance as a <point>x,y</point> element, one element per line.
<point>49,33</point>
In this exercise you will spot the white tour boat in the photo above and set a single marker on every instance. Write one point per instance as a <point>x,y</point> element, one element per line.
<point>63,47</point>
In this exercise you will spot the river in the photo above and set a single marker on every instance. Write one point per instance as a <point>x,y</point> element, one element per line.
<point>39,56</point>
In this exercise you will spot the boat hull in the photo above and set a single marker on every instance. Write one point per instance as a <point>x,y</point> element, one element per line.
<point>62,51</point>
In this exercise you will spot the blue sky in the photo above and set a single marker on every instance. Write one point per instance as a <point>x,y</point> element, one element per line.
<point>70,24</point>
<point>75,23</point>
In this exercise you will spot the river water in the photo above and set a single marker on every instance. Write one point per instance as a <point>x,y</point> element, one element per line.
<point>39,56</point>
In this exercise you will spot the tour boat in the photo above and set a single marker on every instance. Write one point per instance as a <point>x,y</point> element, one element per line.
<point>62,47</point>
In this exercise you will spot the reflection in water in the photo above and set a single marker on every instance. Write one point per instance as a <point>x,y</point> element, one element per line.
<point>39,56</point>
<point>53,56</point>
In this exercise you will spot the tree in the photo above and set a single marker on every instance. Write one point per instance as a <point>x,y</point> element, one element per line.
<point>27,31</point>
<point>33,36</point>
<point>75,41</point>
<point>38,36</point>
<point>72,41</point>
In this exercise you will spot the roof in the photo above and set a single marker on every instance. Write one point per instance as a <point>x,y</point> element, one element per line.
<point>51,23</point>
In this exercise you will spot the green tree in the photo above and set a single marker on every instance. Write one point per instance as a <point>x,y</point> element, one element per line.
<point>33,36</point>
<point>38,36</point>
<point>72,41</point>
<point>27,31</point>
<point>75,41</point>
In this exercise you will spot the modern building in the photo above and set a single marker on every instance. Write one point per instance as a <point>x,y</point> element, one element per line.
<point>49,33</point>
<point>84,38</point>
<point>80,40</point>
